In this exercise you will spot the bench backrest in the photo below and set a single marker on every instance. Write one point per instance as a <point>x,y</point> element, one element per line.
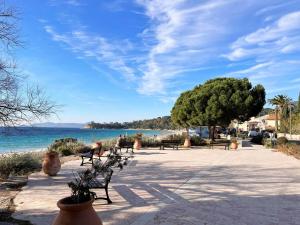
<point>126,143</point>
<point>170,141</point>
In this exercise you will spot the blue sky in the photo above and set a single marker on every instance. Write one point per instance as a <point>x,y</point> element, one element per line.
<point>121,60</point>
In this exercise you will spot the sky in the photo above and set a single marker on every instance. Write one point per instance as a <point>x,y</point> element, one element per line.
<point>122,60</point>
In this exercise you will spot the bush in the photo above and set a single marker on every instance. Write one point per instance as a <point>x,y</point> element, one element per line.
<point>150,142</point>
<point>290,149</point>
<point>68,146</point>
<point>180,137</point>
<point>19,164</point>
<point>197,141</point>
<point>267,143</point>
<point>281,141</point>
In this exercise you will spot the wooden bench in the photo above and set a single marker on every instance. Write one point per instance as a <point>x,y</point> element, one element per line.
<point>169,143</point>
<point>103,172</point>
<point>225,144</point>
<point>90,155</point>
<point>101,181</point>
<point>125,144</point>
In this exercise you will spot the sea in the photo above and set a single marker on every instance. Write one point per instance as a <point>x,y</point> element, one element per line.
<point>22,139</point>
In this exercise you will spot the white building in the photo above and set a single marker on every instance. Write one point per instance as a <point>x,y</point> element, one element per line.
<point>266,122</point>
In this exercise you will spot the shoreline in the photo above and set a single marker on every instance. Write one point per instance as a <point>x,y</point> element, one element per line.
<point>163,134</point>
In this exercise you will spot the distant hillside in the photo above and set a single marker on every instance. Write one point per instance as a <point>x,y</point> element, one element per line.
<point>59,125</point>
<point>157,123</point>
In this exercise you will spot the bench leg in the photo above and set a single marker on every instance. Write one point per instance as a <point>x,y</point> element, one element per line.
<point>81,161</point>
<point>107,196</point>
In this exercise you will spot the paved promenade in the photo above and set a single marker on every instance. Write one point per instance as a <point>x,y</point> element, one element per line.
<point>253,186</point>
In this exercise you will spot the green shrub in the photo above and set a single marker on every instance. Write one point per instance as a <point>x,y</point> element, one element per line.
<point>68,146</point>
<point>19,164</point>
<point>267,143</point>
<point>290,149</point>
<point>180,137</point>
<point>197,141</point>
<point>281,141</point>
<point>150,142</point>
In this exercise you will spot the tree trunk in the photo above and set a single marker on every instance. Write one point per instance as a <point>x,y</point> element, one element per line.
<point>282,124</point>
<point>276,119</point>
<point>187,141</point>
<point>213,132</point>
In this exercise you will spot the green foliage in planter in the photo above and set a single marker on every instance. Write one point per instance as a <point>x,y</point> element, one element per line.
<point>81,184</point>
<point>19,164</point>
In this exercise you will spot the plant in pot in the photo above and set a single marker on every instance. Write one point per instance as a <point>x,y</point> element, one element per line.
<point>138,141</point>
<point>234,144</point>
<point>51,163</point>
<point>77,209</point>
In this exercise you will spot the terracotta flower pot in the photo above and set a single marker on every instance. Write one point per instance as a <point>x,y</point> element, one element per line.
<point>76,214</point>
<point>51,163</point>
<point>137,144</point>
<point>234,145</point>
<point>187,143</point>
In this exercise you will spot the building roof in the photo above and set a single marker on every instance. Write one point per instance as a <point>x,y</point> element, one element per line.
<point>272,117</point>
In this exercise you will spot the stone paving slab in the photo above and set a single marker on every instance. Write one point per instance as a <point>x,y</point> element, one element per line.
<point>253,186</point>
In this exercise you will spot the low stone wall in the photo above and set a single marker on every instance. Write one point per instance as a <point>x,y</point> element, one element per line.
<point>290,137</point>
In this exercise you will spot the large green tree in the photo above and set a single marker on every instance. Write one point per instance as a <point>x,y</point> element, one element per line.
<point>218,101</point>
<point>221,100</point>
<point>181,113</point>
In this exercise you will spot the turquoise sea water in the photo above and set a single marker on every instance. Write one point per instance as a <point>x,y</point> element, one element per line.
<point>32,138</point>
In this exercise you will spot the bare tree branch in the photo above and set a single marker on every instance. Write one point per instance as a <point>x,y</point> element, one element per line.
<point>17,105</point>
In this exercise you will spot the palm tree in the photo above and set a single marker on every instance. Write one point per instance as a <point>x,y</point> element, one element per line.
<point>280,102</point>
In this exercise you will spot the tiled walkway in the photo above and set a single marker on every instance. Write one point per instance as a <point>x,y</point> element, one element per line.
<point>253,186</point>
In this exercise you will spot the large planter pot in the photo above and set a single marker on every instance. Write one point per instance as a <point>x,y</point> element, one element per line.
<point>234,145</point>
<point>187,143</point>
<point>137,144</point>
<point>76,214</point>
<point>51,163</point>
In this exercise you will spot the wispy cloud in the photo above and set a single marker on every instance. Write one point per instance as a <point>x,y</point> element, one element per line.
<point>66,2</point>
<point>185,36</point>
<point>283,36</point>
<point>96,47</point>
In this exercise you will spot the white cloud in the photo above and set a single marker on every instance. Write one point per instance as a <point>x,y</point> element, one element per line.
<point>186,35</point>
<point>66,2</point>
<point>96,47</point>
<point>283,36</point>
